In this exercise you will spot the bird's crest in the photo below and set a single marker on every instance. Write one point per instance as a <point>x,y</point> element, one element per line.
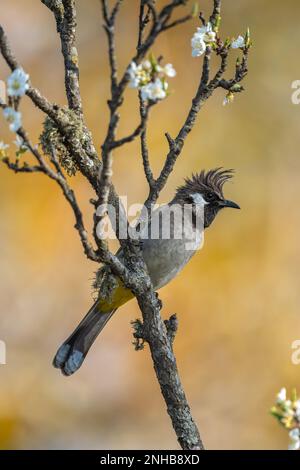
<point>212,180</point>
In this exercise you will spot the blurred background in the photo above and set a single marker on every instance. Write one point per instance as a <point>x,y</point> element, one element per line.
<point>238,301</point>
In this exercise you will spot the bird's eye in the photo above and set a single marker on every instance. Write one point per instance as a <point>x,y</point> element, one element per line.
<point>209,196</point>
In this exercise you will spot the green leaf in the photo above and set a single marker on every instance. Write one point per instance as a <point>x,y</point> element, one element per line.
<point>195,10</point>
<point>216,22</point>
<point>236,88</point>
<point>21,151</point>
<point>276,413</point>
<point>294,395</point>
<point>152,60</point>
<point>227,42</point>
<point>248,41</point>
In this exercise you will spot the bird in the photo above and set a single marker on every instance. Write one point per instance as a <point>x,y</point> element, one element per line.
<point>165,257</point>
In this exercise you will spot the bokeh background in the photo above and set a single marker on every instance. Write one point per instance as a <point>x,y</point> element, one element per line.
<point>238,300</point>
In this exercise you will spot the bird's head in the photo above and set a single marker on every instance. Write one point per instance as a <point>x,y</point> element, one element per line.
<point>206,189</point>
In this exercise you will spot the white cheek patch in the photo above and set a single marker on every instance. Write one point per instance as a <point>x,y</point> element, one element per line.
<point>199,199</point>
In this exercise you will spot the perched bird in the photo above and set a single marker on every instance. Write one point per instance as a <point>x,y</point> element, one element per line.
<point>164,256</point>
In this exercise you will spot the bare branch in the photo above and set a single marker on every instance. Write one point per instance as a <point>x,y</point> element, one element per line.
<point>56,6</point>
<point>154,328</point>
<point>144,109</point>
<point>91,172</point>
<point>115,10</point>
<point>241,72</point>
<point>204,91</point>
<point>128,138</point>
<point>145,18</point>
<point>216,12</point>
<point>138,131</point>
<point>109,27</point>
<point>67,191</point>
<point>65,16</point>
<point>25,168</point>
<point>175,23</point>
<point>176,145</point>
<point>160,21</point>
<point>83,152</point>
<point>160,337</point>
<point>104,184</point>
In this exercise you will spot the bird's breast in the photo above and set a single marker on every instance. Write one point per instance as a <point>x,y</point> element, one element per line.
<point>166,257</point>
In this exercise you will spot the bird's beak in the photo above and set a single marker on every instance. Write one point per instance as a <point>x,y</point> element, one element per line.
<point>227,203</point>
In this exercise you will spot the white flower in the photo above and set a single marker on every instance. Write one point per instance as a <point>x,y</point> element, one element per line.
<point>150,78</point>
<point>154,90</point>
<point>294,445</point>
<point>20,144</point>
<point>201,38</point>
<point>147,65</point>
<point>198,45</point>
<point>14,118</point>
<point>281,396</point>
<point>297,409</point>
<point>238,43</point>
<point>140,74</point>
<point>295,434</point>
<point>169,70</point>
<point>134,73</point>
<point>3,148</point>
<point>17,83</point>
<point>209,34</point>
<point>295,438</point>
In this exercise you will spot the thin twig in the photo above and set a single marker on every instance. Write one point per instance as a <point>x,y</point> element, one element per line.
<point>25,168</point>
<point>160,21</point>
<point>84,153</point>
<point>175,23</point>
<point>67,191</point>
<point>144,109</point>
<point>109,27</point>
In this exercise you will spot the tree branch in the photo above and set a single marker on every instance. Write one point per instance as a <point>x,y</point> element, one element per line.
<point>160,21</point>
<point>25,168</point>
<point>65,16</point>
<point>83,150</point>
<point>144,110</point>
<point>109,27</point>
<point>69,194</point>
<point>176,145</point>
<point>160,342</point>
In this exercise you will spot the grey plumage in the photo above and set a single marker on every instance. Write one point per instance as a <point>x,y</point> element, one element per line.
<point>165,257</point>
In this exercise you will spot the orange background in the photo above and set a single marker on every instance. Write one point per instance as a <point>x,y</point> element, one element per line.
<point>237,301</point>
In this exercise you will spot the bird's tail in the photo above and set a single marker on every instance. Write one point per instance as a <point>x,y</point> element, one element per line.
<point>72,352</point>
